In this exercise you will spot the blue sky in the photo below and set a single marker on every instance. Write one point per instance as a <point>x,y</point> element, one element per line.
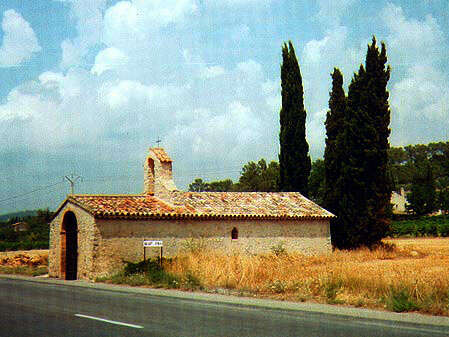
<point>87,86</point>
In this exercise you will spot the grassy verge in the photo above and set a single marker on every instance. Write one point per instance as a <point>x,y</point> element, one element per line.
<point>24,270</point>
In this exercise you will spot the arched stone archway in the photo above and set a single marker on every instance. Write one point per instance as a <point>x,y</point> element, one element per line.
<point>69,247</point>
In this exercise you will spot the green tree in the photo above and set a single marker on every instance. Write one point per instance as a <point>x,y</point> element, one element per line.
<point>399,168</point>
<point>258,177</point>
<point>198,185</point>
<point>422,198</point>
<point>333,153</point>
<point>443,195</point>
<point>316,181</point>
<point>254,177</point>
<point>294,159</point>
<point>225,185</point>
<point>270,178</point>
<point>402,161</point>
<point>377,164</point>
<point>364,185</point>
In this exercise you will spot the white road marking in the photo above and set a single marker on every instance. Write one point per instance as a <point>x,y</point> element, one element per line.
<point>109,321</point>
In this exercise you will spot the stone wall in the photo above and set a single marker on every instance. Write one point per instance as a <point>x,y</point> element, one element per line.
<point>120,240</point>
<point>86,242</point>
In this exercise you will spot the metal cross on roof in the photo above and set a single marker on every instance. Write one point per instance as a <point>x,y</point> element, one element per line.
<point>158,141</point>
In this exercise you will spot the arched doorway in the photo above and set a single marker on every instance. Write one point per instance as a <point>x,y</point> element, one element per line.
<point>69,247</point>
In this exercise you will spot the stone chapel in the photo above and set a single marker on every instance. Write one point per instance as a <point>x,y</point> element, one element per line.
<point>91,235</point>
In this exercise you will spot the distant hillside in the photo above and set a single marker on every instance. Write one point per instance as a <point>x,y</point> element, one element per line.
<point>21,214</point>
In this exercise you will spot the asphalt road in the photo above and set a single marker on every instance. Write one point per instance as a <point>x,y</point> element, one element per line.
<point>44,309</point>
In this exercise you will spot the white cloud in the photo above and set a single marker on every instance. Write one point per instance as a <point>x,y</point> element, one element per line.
<point>272,92</point>
<point>18,106</point>
<point>19,41</point>
<point>420,106</point>
<point>250,68</point>
<point>319,58</point>
<point>212,71</point>
<point>126,92</point>
<point>55,112</point>
<point>107,59</point>
<point>195,65</point>
<point>50,79</point>
<point>419,91</point>
<point>331,11</point>
<point>27,120</point>
<point>229,133</point>
<point>410,40</point>
<point>130,22</point>
<point>72,54</point>
<point>240,32</point>
<point>316,133</point>
<point>89,17</point>
<point>238,2</point>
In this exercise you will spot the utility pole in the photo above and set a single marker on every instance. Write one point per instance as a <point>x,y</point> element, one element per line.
<point>72,179</point>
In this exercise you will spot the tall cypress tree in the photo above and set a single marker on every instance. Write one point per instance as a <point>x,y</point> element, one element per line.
<point>363,183</point>
<point>378,75</point>
<point>333,153</point>
<point>294,159</point>
<point>351,185</point>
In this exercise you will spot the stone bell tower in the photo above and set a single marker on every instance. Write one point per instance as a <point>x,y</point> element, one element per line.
<point>158,178</point>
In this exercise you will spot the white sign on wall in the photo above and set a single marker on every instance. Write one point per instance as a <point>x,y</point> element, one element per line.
<point>152,243</point>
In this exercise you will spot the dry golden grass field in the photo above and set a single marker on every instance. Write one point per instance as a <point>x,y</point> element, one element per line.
<point>412,275</point>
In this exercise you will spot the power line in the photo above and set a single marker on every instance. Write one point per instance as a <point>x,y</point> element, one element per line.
<point>23,199</point>
<point>31,192</point>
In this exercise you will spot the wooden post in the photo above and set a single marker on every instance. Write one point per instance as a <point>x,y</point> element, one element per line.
<point>161,256</point>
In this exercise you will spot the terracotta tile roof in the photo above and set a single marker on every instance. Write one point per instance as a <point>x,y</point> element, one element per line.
<point>161,154</point>
<point>204,205</point>
<point>122,205</point>
<point>249,204</point>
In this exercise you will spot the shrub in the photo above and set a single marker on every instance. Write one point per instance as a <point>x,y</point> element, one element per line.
<point>149,272</point>
<point>431,229</point>
<point>279,249</point>
<point>331,288</point>
<point>190,281</point>
<point>443,229</point>
<point>423,226</point>
<point>150,265</point>
<point>400,300</point>
<point>277,287</point>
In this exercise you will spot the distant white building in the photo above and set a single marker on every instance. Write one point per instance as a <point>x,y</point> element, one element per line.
<point>399,200</point>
